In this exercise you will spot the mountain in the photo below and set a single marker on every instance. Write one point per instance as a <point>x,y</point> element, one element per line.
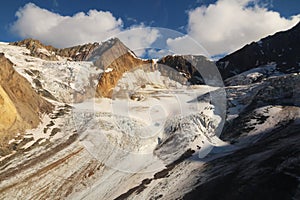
<point>109,125</point>
<point>115,59</point>
<point>262,127</point>
<point>282,49</point>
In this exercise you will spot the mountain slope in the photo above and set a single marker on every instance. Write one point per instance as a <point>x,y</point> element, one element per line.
<point>198,70</point>
<point>281,48</point>
<point>267,169</point>
<point>21,107</point>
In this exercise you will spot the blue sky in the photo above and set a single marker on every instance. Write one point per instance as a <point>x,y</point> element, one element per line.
<point>184,16</point>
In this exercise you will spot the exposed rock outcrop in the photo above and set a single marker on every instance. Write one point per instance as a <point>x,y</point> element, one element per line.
<point>281,48</point>
<point>115,59</point>
<point>78,53</point>
<point>267,169</point>
<point>196,69</point>
<point>20,106</point>
<point>115,71</point>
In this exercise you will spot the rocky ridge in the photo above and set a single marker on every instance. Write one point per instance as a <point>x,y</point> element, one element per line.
<point>47,52</point>
<point>282,49</point>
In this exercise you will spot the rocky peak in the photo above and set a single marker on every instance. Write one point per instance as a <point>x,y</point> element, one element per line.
<point>115,59</point>
<point>107,52</point>
<point>281,48</point>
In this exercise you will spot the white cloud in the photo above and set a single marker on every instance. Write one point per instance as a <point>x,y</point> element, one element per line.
<point>138,38</point>
<point>63,31</point>
<point>185,45</point>
<point>230,24</point>
<point>158,53</point>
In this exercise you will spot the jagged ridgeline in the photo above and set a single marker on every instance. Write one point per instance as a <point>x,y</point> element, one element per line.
<point>47,52</point>
<point>281,49</point>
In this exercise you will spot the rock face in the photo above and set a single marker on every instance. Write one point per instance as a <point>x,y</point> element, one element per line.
<point>115,59</point>
<point>20,106</point>
<point>184,66</point>
<point>282,48</point>
<point>77,53</point>
<point>115,71</point>
<point>46,52</point>
<point>196,69</point>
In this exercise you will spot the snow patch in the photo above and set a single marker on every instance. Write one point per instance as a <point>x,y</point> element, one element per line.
<point>108,70</point>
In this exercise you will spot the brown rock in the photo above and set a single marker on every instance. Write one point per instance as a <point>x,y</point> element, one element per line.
<point>119,66</point>
<point>36,49</point>
<point>46,52</point>
<point>77,53</point>
<point>20,106</point>
<point>115,59</point>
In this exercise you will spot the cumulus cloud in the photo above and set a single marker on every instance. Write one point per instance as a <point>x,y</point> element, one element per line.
<point>63,31</point>
<point>230,24</point>
<point>139,38</point>
<point>185,45</point>
<point>158,53</point>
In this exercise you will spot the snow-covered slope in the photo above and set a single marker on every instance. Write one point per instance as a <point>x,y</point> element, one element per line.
<point>65,81</point>
<point>263,130</point>
<point>149,123</point>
